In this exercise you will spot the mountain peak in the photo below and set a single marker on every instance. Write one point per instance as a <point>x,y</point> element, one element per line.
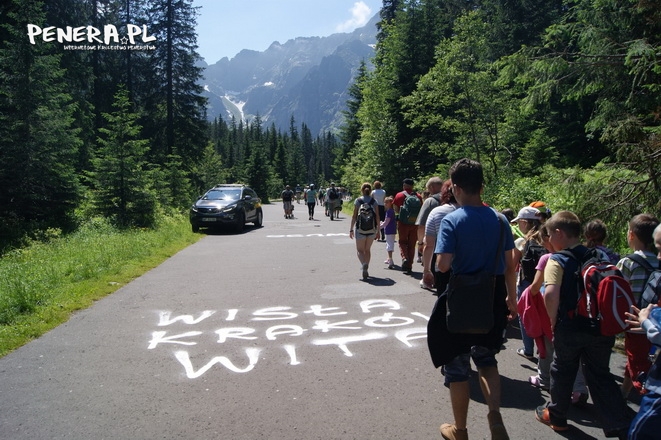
<point>306,77</point>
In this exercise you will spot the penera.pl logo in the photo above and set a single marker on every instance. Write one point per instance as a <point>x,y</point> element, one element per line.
<point>131,37</point>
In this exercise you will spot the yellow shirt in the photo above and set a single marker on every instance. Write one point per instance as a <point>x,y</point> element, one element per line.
<point>554,271</point>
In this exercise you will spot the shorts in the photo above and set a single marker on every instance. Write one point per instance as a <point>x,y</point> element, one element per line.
<point>458,370</point>
<point>287,205</point>
<point>358,236</point>
<point>390,242</point>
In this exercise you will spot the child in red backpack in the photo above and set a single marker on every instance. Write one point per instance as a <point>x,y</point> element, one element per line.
<point>542,379</point>
<point>577,343</point>
<point>637,346</point>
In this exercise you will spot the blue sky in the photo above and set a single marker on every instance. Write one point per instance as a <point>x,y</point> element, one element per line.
<point>225,27</point>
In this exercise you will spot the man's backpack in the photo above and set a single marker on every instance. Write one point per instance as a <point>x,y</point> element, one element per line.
<point>604,296</point>
<point>366,219</point>
<point>332,194</point>
<point>408,213</point>
<point>652,290</point>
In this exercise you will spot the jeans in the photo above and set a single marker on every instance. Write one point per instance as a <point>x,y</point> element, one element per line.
<point>458,370</point>
<point>544,370</point>
<point>594,351</point>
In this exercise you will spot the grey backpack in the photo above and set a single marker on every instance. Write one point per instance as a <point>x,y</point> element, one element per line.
<point>652,289</point>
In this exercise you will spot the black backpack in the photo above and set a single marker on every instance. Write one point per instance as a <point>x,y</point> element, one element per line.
<point>332,194</point>
<point>531,254</point>
<point>366,219</point>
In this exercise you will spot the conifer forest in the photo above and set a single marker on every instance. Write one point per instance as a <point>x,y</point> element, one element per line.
<point>559,100</point>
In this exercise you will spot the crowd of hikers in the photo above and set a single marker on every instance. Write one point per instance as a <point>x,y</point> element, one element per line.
<point>331,198</point>
<point>548,274</point>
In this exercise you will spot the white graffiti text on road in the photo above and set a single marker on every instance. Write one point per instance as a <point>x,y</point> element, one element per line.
<point>240,346</point>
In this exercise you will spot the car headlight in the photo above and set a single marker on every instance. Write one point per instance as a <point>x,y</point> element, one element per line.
<point>193,208</point>
<point>229,208</point>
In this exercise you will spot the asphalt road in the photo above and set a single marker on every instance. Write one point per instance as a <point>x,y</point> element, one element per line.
<point>269,334</point>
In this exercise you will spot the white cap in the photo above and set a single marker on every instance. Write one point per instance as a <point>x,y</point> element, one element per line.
<point>527,213</point>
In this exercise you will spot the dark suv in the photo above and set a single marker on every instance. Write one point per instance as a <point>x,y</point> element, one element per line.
<point>233,205</point>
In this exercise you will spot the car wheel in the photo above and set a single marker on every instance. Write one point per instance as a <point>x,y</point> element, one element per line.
<point>240,222</point>
<point>259,218</point>
<point>195,228</point>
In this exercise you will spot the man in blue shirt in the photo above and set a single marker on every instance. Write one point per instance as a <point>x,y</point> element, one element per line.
<point>467,243</point>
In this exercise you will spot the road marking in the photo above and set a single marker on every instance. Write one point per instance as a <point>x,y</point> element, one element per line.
<point>341,234</point>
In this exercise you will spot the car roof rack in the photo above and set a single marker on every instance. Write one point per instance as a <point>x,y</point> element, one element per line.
<point>234,185</point>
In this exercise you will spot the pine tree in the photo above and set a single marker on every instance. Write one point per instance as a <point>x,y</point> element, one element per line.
<point>38,141</point>
<point>352,128</point>
<point>177,120</point>
<point>124,185</point>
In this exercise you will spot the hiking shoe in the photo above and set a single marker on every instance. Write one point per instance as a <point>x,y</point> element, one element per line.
<point>536,381</point>
<point>365,274</point>
<point>450,432</point>
<point>521,352</point>
<point>542,415</point>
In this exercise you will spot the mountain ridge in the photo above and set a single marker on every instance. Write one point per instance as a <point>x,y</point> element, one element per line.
<point>306,77</point>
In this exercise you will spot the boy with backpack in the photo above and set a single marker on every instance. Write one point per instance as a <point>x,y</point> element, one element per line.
<point>637,268</point>
<point>577,339</point>
<point>647,423</point>
<point>407,206</point>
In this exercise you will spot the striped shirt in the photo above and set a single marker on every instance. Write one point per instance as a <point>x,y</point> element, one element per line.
<point>635,273</point>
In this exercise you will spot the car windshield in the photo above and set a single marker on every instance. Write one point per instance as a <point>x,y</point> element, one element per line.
<point>222,194</point>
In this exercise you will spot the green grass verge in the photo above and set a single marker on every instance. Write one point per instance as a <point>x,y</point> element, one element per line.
<point>42,285</point>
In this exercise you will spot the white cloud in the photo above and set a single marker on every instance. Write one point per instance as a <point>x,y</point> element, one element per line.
<point>360,15</point>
